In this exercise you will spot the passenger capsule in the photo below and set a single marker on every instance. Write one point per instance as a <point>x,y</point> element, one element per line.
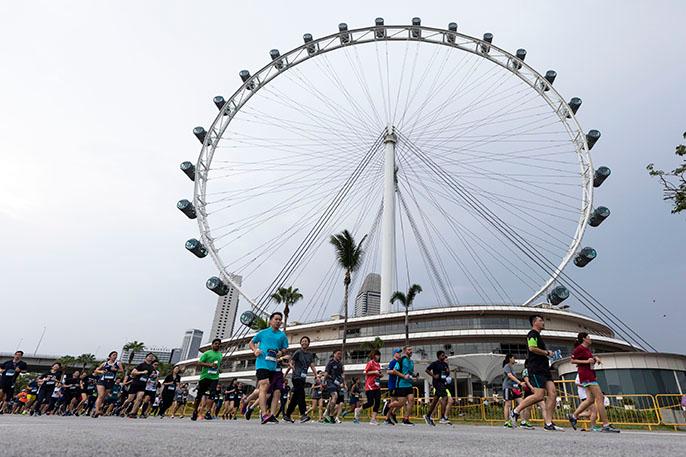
<point>380,32</point>
<point>278,62</point>
<point>416,31</point>
<point>574,105</point>
<point>343,30</point>
<point>187,208</point>
<point>197,248</point>
<point>584,256</point>
<point>598,216</point>
<point>486,46</point>
<point>600,175</point>
<point>592,138</point>
<point>189,169</point>
<point>450,36</point>
<point>311,48</point>
<point>558,295</point>
<point>217,286</point>
<point>200,133</point>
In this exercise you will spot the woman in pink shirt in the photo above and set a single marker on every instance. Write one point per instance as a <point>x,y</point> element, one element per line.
<point>584,360</point>
<point>372,387</point>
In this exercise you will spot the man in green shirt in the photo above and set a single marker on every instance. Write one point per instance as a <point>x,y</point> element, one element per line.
<point>210,361</point>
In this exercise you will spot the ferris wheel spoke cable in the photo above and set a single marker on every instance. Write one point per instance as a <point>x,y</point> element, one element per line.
<point>462,231</point>
<point>588,300</point>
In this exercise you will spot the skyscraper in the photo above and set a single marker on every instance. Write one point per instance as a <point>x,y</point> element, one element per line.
<point>191,344</point>
<point>368,298</point>
<point>225,313</point>
<point>163,354</point>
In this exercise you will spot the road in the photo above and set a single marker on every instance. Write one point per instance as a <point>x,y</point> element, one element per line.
<point>112,437</point>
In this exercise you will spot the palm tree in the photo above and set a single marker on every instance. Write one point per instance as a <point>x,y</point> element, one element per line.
<point>85,359</point>
<point>349,257</point>
<point>375,345</point>
<point>133,347</point>
<point>260,323</point>
<point>406,301</point>
<point>67,361</point>
<point>288,297</point>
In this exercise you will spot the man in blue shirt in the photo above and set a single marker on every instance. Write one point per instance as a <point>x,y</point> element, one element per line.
<point>267,345</point>
<point>404,393</point>
<point>392,385</point>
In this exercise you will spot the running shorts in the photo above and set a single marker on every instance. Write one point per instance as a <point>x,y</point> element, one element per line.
<point>8,389</point>
<point>205,386</point>
<point>440,390</point>
<point>276,382</point>
<point>263,373</point>
<point>403,392</point>
<point>539,379</point>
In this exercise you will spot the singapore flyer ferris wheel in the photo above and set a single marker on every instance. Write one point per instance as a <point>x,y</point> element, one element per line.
<point>463,167</point>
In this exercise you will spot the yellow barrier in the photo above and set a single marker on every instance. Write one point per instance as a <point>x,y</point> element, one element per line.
<point>672,409</point>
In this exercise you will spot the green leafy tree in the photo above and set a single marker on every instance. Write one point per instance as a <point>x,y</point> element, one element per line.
<point>406,301</point>
<point>86,359</point>
<point>133,347</point>
<point>673,182</point>
<point>375,345</point>
<point>288,296</point>
<point>349,255</point>
<point>260,323</point>
<point>67,361</point>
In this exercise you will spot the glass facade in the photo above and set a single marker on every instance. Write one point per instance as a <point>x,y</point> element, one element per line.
<point>638,381</point>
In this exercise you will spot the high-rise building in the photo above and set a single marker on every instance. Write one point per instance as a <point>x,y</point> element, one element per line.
<point>191,344</point>
<point>368,298</point>
<point>175,356</point>
<point>225,313</point>
<point>163,355</point>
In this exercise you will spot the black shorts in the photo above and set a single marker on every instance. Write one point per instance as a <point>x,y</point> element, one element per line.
<point>237,402</point>
<point>136,387</point>
<point>539,379</point>
<point>263,373</point>
<point>206,386</point>
<point>340,398</point>
<point>401,392</point>
<point>440,390</point>
<point>391,393</point>
<point>512,394</point>
<point>106,383</point>
<point>8,389</point>
<point>150,393</point>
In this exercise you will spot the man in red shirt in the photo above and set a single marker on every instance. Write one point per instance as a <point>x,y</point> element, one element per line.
<point>372,387</point>
<point>584,359</point>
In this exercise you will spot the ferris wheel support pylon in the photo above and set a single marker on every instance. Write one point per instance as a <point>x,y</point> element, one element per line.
<point>388,221</point>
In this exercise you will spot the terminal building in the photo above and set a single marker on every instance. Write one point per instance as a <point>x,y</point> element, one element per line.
<point>476,339</point>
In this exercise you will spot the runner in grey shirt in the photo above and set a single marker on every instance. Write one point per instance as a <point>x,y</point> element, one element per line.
<point>300,361</point>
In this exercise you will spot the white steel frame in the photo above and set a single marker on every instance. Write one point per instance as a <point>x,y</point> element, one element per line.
<point>395,33</point>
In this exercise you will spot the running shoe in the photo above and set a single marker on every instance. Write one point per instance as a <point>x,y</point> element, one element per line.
<point>525,425</point>
<point>508,424</point>
<point>388,422</point>
<point>384,411</point>
<point>514,418</point>
<point>407,423</point>
<point>445,421</point>
<point>328,420</point>
<point>553,428</point>
<point>429,420</point>
<point>572,420</point>
<point>288,419</point>
<point>356,420</point>
<point>596,429</point>
<point>337,420</point>
<point>394,419</point>
<point>273,419</point>
<point>304,419</point>
<point>248,413</point>
<point>373,422</point>
<point>265,419</point>
<point>609,429</point>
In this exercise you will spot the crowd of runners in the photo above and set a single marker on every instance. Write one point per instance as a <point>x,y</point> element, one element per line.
<point>140,392</point>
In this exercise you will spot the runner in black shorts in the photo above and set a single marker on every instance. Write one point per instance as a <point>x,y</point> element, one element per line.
<point>169,388</point>
<point>139,377</point>
<point>72,392</point>
<point>440,377</point>
<point>333,378</point>
<point>107,373</point>
<point>540,377</point>
<point>210,361</point>
<point>150,393</point>
<point>10,371</point>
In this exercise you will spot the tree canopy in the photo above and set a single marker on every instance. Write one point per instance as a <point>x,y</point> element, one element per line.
<point>673,182</point>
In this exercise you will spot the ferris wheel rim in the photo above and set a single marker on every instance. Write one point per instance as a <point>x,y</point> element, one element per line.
<point>333,42</point>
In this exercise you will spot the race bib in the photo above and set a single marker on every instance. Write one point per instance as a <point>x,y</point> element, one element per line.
<point>9,372</point>
<point>303,375</point>
<point>212,371</point>
<point>377,381</point>
<point>448,380</point>
<point>271,355</point>
<point>109,376</point>
<point>143,378</point>
<point>444,376</point>
<point>171,387</point>
<point>337,382</point>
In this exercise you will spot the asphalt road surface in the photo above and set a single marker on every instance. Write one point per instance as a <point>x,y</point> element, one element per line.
<point>106,436</point>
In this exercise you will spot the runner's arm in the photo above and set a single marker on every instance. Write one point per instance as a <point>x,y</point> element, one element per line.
<point>255,350</point>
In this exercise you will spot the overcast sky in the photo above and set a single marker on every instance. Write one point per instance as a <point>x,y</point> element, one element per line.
<point>98,100</point>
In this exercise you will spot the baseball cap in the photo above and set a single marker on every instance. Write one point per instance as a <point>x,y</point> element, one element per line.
<point>397,350</point>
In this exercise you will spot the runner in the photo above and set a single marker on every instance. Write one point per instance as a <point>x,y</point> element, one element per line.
<point>300,362</point>
<point>107,373</point>
<point>238,396</point>
<point>210,361</point>
<point>539,375</point>
<point>512,391</point>
<point>584,359</point>
<point>527,390</point>
<point>169,385</point>
<point>150,393</point>
<point>180,400</point>
<point>392,385</point>
<point>591,412</point>
<point>113,397</point>
<point>354,392</point>
<point>333,379</point>
<point>10,372</point>
<point>139,379</point>
<point>404,392</point>
<point>440,377</point>
<point>72,392</point>
<point>49,380</point>
<point>267,345</point>
<point>229,397</point>
<point>317,400</point>
<point>372,388</point>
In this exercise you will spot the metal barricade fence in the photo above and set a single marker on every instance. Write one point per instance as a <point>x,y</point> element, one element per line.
<point>672,409</point>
